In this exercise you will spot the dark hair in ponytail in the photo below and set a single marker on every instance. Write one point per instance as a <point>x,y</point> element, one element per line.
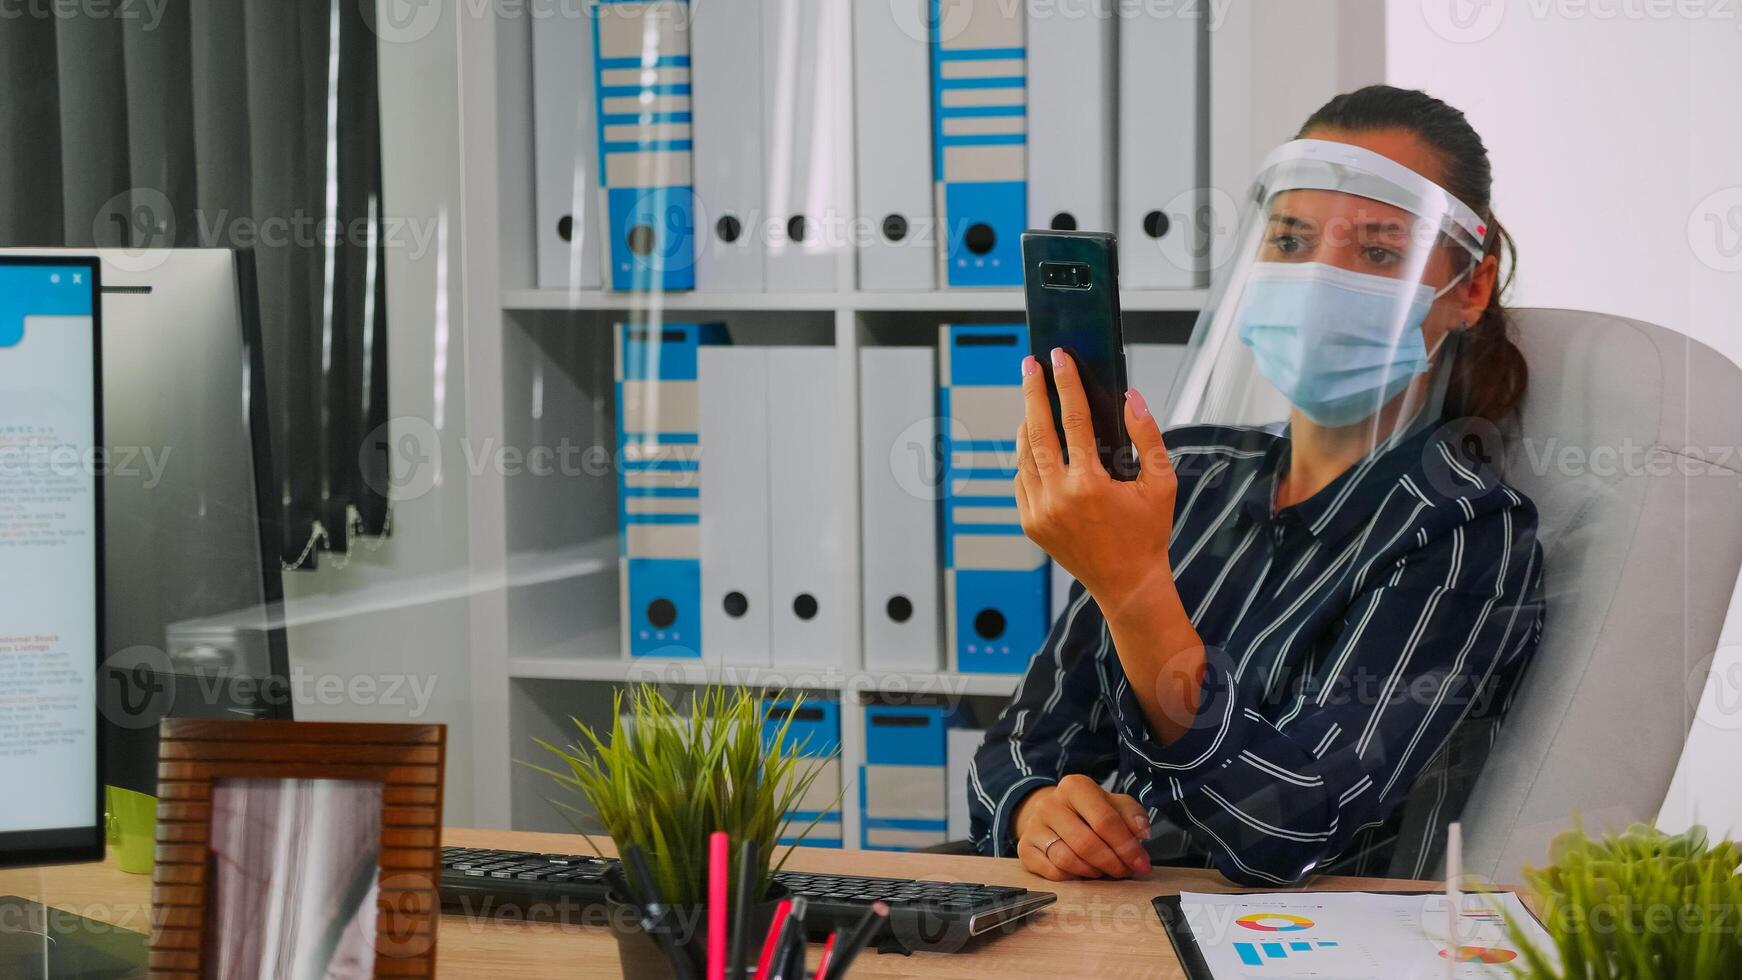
<point>1490,375</point>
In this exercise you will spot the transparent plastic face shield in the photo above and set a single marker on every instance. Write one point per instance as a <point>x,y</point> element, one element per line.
<point>1338,301</point>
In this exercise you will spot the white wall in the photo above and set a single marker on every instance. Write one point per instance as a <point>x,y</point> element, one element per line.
<point>1616,141</point>
<point>1617,144</point>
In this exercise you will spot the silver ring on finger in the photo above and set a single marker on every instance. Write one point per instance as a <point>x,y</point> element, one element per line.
<point>1046,851</point>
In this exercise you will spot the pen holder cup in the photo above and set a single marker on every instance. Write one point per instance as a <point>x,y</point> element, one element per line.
<point>643,956</point>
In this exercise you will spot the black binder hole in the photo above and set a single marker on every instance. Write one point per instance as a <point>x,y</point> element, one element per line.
<point>805,606</point>
<point>661,613</point>
<point>1155,224</point>
<point>900,608</point>
<point>641,239</point>
<point>1064,221</point>
<point>797,228</point>
<point>989,623</point>
<point>565,227</point>
<point>980,238</point>
<point>895,227</point>
<point>728,228</point>
<point>736,603</point>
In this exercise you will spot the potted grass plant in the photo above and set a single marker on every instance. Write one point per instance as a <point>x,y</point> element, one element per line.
<point>1641,905</point>
<point>661,779</point>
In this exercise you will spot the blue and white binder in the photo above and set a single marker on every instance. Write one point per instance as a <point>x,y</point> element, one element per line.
<point>1070,114</point>
<point>807,72</point>
<point>659,486</point>
<point>897,232</point>
<point>1162,149</point>
<point>979,139</point>
<point>567,171</point>
<point>903,799</point>
<point>995,580</point>
<point>732,400</point>
<point>641,61</point>
<point>900,475</point>
<point>815,734</point>
<point>815,610</point>
<point>726,48</point>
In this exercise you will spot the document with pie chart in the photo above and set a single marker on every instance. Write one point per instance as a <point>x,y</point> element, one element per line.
<point>1357,935</point>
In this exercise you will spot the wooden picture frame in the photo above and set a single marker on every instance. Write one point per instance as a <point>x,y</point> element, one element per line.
<point>195,755</point>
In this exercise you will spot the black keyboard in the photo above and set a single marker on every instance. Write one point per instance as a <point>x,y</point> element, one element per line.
<point>942,916</point>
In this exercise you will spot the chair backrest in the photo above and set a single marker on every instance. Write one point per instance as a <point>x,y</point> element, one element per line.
<point>1622,444</point>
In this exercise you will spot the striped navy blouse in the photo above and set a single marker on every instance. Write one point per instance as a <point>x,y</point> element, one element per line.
<point>1362,646</point>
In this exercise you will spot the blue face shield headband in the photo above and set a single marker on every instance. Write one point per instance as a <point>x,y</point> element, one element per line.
<point>1332,341</point>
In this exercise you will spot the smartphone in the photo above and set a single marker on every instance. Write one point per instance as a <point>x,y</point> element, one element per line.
<point>1071,281</point>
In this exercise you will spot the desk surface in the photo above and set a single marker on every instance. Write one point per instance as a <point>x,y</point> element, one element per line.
<point>1096,929</point>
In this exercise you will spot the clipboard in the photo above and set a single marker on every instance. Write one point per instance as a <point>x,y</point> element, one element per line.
<point>1185,945</point>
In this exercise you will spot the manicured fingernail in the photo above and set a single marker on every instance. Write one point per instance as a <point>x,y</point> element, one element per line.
<point>1029,366</point>
<point>1139,407</point>
<point>1058,357</point>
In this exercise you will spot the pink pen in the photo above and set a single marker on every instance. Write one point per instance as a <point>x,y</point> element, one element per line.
<point>717,863</point>
<point>781,910</point>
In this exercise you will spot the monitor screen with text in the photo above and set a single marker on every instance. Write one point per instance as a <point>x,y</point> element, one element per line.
<point>50,554</point>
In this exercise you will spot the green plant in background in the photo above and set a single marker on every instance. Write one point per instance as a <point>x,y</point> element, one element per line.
<point>667,779</point>
<point>1640,905</point>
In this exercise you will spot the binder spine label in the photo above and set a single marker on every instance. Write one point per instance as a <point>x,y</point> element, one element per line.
<point>980,140</point>
<point>659,486</point>
<point>996,580</point>
<point>902,794</point>
<point>641,66</point>
<point>814,733</point>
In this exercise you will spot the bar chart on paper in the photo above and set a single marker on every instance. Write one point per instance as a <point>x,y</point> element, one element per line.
<point>1355,935</point>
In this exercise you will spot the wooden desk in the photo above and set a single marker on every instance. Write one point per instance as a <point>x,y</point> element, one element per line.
<point>1096,929</point>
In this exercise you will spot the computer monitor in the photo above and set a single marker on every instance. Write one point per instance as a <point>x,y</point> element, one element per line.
<point>194,598</point>
<point>51,559</point>
<point>195,620</point>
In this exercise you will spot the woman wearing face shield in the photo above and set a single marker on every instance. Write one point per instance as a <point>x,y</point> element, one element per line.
<point>1294,634</point>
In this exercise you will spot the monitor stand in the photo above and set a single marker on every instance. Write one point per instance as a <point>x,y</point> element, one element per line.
<point>54,944</point>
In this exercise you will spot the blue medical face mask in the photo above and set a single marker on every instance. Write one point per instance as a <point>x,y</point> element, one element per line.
<point>1337,344</point>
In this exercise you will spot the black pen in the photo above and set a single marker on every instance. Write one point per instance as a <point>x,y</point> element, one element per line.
<point>793,929</point>
<point>848,949</point>
<point>743,898</point>
<point>653,914</point>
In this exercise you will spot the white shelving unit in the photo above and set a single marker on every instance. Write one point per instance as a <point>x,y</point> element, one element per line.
<point>538,372</point>
<point>956,301</point>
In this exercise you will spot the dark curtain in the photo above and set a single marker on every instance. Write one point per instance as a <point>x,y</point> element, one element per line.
<point>232,123</point>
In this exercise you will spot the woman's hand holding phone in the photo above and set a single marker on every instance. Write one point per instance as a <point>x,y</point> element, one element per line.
<point>1111,535</point>
<point>1076,829</point>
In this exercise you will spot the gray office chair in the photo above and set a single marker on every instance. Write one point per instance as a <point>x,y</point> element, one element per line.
<point>1638,573</point>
